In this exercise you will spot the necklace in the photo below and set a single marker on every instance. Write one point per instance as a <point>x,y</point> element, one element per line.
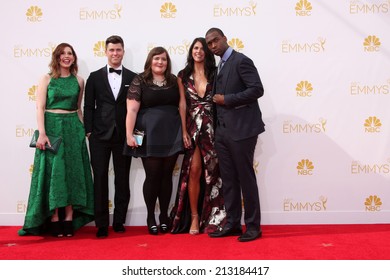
<point>160,83</point>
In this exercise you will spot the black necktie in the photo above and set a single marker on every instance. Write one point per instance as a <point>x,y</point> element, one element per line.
<point>114,70</point>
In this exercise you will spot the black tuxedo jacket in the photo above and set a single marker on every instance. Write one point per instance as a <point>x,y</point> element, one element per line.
<point>240,82</point>
<point>102,113</point>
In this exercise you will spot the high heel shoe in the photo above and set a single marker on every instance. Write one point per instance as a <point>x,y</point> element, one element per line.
<point>68,228</point>
<point>194,230</point>
<point>56,229</point>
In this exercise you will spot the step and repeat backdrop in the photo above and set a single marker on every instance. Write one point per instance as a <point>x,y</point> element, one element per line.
<point>325,66</point>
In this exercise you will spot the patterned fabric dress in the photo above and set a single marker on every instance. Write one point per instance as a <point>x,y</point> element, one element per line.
<point>65,178</point>
<point>200,127</point>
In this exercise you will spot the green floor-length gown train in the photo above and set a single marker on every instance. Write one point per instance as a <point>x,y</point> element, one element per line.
<point>65,178</point>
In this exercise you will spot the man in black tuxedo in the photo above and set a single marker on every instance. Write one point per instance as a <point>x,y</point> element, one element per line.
<point>104,120</point>
<point>237,88</point>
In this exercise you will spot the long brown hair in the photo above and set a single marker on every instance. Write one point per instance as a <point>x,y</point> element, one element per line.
<point>54,65</point>
<point>148,75</point>
<point>209,61</point>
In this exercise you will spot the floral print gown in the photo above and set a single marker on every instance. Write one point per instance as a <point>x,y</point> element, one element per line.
<point>200,127</point>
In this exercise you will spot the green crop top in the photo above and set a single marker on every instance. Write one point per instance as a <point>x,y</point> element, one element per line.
<point>63,93</point>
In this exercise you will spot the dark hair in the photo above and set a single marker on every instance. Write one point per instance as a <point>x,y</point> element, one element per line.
<point>209,61</point>
<point>215,29</point>
<point>115,39</point>
<point>148,75</point>
<point>54,65</point>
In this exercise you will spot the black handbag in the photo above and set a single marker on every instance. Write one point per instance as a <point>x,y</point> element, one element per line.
<point>54,141</point>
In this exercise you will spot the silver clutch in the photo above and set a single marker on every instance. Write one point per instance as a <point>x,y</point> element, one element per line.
<point>139,136</point>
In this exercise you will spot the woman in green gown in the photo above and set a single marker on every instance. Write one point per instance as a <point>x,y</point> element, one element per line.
<point>61,191</point>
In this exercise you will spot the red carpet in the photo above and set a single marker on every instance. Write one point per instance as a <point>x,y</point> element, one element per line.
<point>284,242</point>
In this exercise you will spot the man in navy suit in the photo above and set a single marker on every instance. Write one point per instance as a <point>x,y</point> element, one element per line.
<point>104,120</point>
<point>237,88</point>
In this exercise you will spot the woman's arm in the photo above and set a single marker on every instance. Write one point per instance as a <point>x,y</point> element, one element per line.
<point>131,116</point>
<point>41,106</point>
<point>183,113</point>
<point>81,95</point>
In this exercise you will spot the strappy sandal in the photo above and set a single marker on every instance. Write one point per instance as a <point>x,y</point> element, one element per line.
<point>194,231</point>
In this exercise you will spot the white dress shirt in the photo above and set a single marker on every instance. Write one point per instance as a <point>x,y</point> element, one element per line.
<point>115,80</point>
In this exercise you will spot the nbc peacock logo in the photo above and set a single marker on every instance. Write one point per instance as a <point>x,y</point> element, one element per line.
<point>303,8</point>
<point>168,10</point>
<point>304,89</point>
<point>371,44</point>
<point>305,167</point>
<point>373,203</point>
<point>236,44</point>
<point>372,125</point>
<point>30,169</point>
<point>99,49</point>
<point>110,207</point>
<point>256,166</point>
<point>111,172</point>
<point>32,93</point>
<point>34,14</point>
<point>176,170</point>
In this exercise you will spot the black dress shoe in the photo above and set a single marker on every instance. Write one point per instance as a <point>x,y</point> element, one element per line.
<point>118,227</point>
<point>153,230</point>
<point>102,232</point>
<point>249,236</point>
<point>164,228</point>
<point>226,232</point>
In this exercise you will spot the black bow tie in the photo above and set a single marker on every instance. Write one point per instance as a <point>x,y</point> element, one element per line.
<point>114,70</point>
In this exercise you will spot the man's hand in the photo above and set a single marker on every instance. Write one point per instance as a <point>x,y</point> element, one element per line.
<point>219,99</point>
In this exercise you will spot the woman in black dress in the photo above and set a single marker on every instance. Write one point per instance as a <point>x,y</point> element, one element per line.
<point>153,107</point>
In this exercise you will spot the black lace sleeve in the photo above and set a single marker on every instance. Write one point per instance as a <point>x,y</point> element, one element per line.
<point>134,92</point>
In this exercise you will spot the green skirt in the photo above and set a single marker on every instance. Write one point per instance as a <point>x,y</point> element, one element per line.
<point>61,179</point>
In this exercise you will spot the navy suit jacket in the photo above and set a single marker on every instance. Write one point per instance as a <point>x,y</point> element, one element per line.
<point>240,83</point>
<point>102,112</point>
